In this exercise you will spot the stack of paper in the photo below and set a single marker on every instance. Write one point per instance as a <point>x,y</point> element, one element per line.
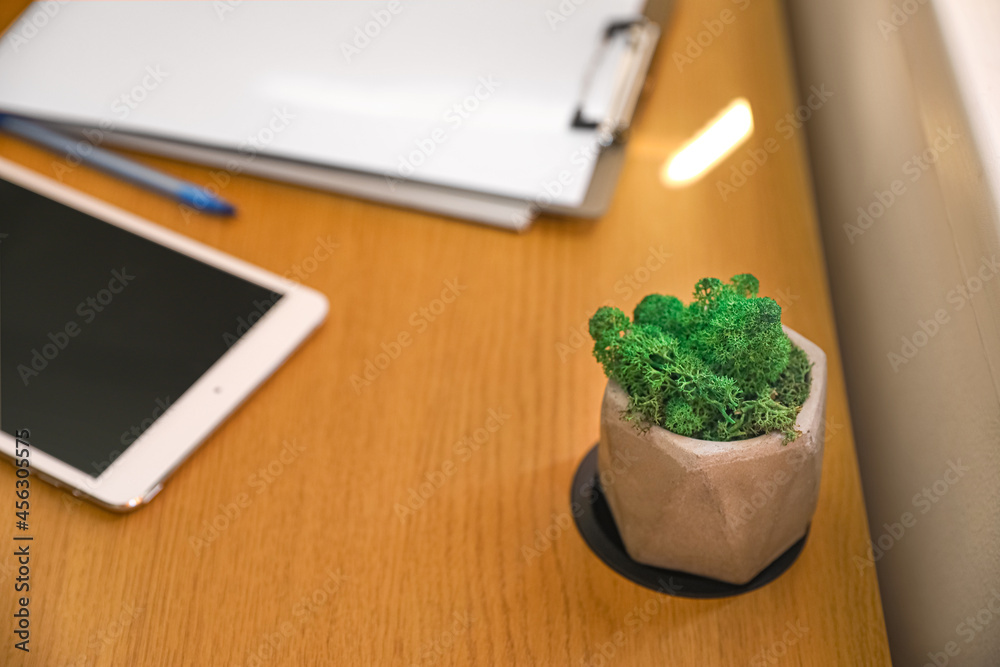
<point>475,100</point>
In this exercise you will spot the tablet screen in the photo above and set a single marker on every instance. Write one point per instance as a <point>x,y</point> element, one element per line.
<point>101,330</point>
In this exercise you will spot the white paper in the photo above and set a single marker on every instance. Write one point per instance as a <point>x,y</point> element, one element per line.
<point>371,86</point>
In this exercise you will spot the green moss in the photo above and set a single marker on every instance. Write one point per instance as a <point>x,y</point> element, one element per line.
<point>719,369</point>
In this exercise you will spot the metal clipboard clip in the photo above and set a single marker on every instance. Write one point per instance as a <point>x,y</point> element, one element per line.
<point>615,79</point>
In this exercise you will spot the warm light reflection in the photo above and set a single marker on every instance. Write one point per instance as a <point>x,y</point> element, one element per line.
<point>711,145</point>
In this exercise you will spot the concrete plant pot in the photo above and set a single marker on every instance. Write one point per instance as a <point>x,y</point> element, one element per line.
<point>723,510</point>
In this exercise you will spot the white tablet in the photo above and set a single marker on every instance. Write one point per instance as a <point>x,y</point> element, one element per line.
<point>124,345</point>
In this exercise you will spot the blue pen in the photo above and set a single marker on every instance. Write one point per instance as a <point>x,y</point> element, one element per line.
<point>187,193</point>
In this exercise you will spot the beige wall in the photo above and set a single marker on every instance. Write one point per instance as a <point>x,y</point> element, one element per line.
<point>913,417</point>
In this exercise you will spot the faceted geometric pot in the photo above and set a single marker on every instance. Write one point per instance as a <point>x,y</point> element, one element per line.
<point>723,510</point>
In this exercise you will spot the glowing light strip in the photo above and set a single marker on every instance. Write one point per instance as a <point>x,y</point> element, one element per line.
<point>714,143</point>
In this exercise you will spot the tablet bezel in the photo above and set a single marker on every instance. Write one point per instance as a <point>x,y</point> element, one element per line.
<point>138,473</point>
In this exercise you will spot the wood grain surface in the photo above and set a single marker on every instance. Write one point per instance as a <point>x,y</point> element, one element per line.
<point>490,407</point>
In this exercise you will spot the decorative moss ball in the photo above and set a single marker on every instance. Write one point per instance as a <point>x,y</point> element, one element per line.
<point>721,368</point>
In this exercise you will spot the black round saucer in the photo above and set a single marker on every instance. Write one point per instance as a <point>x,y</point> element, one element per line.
<point>597,526</point>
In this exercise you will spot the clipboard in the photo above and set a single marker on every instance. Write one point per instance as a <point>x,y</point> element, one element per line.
<point>606,100</point>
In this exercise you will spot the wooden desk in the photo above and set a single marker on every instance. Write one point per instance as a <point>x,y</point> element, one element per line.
<point>313,564</point>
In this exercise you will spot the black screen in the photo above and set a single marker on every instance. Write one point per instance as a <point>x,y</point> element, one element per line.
<point>102,330</point>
